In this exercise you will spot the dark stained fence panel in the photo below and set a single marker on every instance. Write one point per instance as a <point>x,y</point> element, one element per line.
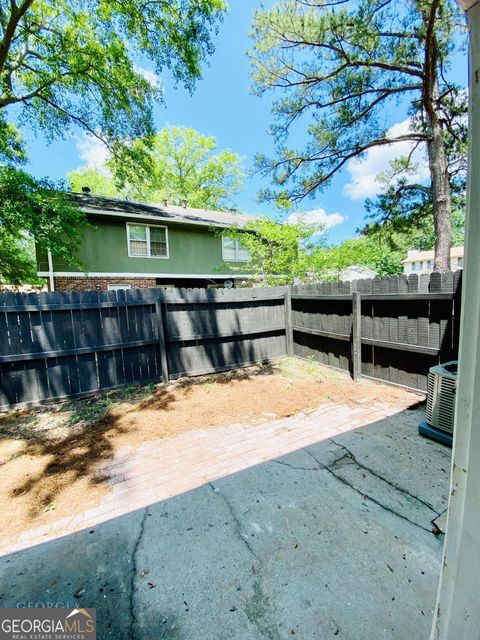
<point>408,324</point>
<point>60,345</point>
<point>218,330</point>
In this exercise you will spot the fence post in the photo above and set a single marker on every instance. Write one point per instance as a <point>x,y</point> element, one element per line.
<point>161,310</point>
<point>357,335</point>
<point>288,321</point>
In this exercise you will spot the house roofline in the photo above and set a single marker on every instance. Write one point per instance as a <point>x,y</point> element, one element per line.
<point>147,216</point>
<point>136,210</point>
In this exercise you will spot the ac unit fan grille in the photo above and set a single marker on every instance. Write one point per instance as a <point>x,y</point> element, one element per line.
<point>441,401</point>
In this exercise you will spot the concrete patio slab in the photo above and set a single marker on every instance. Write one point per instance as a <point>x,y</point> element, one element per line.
<point>330,540</point>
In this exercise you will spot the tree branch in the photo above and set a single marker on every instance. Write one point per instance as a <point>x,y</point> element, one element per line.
<point>16,14</point>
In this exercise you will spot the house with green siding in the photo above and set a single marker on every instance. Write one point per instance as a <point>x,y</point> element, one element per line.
<point>135,244</point>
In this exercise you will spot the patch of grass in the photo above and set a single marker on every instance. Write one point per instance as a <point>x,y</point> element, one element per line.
<point>297,370</point>
<point>90,412</point>
<point>18,427</point>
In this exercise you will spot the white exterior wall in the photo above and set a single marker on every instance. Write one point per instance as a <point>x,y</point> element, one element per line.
<point>457,613</point>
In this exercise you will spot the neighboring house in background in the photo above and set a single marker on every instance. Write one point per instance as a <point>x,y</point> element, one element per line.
<point>136,244</point>
<point>422,261</point>
<point>356,272</point>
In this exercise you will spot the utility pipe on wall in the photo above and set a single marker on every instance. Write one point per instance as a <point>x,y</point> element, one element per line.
<point>51,279</point>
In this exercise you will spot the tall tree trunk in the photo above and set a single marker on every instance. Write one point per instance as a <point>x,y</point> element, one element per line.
<point>437,160</point>
<point>442,206</point>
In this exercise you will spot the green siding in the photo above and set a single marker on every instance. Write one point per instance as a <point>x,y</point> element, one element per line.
<point>192,249</point>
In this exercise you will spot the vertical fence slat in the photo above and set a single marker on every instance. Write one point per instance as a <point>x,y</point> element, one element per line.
<point>160,312</point>
<point>357,335</point>
<point>288,321</point>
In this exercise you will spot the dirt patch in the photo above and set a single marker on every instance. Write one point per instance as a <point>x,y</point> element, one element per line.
<point>50,456</point>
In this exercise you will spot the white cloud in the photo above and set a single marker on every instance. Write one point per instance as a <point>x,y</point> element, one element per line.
<point>150,76</point>
<point>318,216</point>
<point>92,151</point>
<point>364,171</point>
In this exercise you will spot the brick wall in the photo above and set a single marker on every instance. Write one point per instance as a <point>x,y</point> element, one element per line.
<point>83,283</point>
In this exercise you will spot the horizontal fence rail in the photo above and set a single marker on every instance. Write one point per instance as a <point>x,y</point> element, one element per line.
<point>65,345</point>
<point>399,328</point>
<point>71,344</point>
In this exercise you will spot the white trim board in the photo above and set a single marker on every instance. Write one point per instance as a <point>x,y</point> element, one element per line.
<point>109,274</point>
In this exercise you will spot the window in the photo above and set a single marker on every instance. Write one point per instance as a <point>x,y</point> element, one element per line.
<point>147,241</point>
<point>118,287</point>
<point>460,262</point>
<point>232,250</point>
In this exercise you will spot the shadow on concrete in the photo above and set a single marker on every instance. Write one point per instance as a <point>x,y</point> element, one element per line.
<point>331,541</point>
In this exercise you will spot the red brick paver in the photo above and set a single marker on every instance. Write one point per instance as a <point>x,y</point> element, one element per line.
<point>160,469</point>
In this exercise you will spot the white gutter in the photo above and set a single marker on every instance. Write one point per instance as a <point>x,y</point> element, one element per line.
<point>50,272</point>
<point>121,274</point>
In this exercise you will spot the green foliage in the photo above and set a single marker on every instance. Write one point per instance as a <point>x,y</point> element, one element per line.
<point>335,67</point>
<point>280,253</point>
<point>405,207</point>
<point>398,234</point>
<point>179,164</point>
<point>91,412</point>
<point>33,209</point>
<point>66,64</point>
<point>372,252</point>
<point>100,181</point>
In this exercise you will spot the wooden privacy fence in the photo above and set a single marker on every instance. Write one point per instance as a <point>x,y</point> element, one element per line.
<point>60,345</point>
<point>392,329</point>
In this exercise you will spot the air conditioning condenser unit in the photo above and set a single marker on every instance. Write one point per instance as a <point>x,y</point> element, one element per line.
<point>440,414</point>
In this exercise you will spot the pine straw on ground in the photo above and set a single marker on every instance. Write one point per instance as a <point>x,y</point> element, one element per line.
<point>50,456</point>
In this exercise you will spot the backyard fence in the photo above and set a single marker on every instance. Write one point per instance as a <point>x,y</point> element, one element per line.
<point>392,329</point>
<point>65,345</point>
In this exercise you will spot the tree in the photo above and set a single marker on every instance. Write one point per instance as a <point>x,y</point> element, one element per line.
<point>66,64</point>
<point>280,253</point>
<point>403,208</point>
<point>343,62</point>
<point>41,208</point>
<point>372,252</point>
<point>180,166</point>
<point>100,181</point>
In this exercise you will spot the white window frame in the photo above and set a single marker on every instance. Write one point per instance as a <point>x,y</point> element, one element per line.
<point>148,226</point>
<point>237,250</point>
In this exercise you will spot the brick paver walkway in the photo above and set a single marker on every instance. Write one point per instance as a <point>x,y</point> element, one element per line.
<point>160,469</point>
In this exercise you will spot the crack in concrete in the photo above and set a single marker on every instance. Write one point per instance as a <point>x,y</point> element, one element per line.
<point>258,609</point>
<point>374,500</point>
<point>351,455</point>
<point>286,464</point>
<point>134,573</point>
<point>238,524</point>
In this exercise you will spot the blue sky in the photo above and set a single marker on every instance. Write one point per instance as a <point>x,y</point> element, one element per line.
<point>223,106</point>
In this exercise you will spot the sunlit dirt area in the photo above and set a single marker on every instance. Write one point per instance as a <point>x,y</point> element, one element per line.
<point>51,456</point>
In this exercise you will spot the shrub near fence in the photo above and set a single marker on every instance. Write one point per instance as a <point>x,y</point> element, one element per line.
<point>60,345</point>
